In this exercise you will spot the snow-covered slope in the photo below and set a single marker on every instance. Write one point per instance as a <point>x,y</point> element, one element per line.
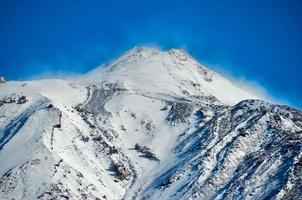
<point>170,72</point>
<point>149,125</point>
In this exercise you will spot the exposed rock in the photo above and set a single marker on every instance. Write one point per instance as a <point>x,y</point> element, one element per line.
<point>10,99</point>
<point>50,106</point>
<point>113,150</point>
<point>121,171</point>
<point>85,138</point>
<point>22,99</point>
<point>149,126</point>
<point>146,151</point>
<point>180,112</point>
<point>14,98</point>
<point>164,108</point>
<point>123,128</point>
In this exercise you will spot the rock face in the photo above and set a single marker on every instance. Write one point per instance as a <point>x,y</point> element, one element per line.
<point>149,125</point>
<point>13,98</point>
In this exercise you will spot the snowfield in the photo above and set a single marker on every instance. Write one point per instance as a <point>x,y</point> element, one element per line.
<point>151,124</point>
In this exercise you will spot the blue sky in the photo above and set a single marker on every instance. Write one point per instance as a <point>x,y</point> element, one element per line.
<point>259,40</point>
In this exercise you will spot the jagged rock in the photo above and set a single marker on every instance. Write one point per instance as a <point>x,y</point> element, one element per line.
<point>50,106</point>
<point>164,108</point>
<point>13,98</point>
<point>121,171</point>
<point>22,99</point>
<point>137,147</point>
<point>57,126</point>
<point>180,112</point>
<point>146,151</point>
<point>10,99</point>
<point>133,115</point>
<point>113,150</point>
<point>85,138</point>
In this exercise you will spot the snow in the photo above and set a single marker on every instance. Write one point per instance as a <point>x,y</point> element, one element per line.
<point>70,135</point>
<point>169,73</point>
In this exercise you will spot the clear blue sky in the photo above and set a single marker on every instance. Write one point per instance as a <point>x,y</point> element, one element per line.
<point>258,39</point>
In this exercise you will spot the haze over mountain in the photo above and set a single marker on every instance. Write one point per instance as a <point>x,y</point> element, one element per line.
<point>151,124</point>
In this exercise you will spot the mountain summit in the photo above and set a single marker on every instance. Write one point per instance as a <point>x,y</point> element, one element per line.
<point>150,124</point>
<point>171,72</point>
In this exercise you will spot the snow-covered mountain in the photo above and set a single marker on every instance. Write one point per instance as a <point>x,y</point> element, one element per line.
<point>151,124</point>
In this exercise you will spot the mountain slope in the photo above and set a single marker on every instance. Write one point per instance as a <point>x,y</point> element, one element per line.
<point>150,124</point>
<point>171,73</point>
<point>249,151</point>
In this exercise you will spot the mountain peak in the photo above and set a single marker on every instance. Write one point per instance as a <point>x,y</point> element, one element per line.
<point>180,53</point>
<point>147,51</point>
<point>173,72</point>
<point>141,51</point>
